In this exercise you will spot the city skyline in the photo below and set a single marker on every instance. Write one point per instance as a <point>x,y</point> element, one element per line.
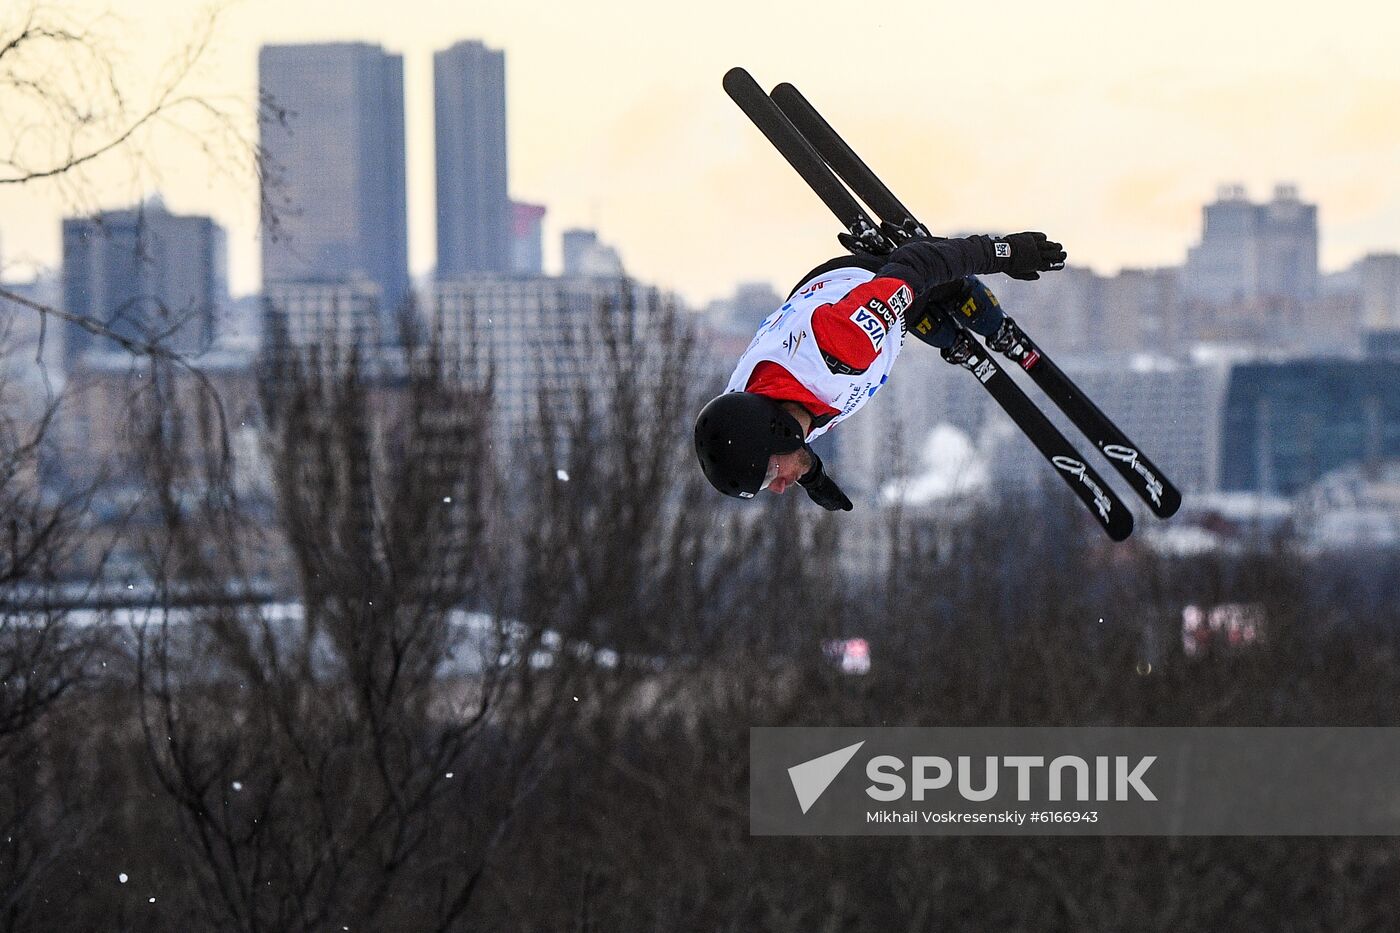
<point>1131,128</point>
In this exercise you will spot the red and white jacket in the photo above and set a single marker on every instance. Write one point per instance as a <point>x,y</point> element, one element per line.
<point>830,347</point>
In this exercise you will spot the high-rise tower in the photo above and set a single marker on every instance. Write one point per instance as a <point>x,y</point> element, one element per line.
<point>1250,251</point>
<point>335,161</point>
<point>473,209</point>
<point>146,274</point>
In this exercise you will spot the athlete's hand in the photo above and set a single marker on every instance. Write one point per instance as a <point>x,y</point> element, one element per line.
<point>862,248</point>
<point>1025,255</point>
<point>822,489</point>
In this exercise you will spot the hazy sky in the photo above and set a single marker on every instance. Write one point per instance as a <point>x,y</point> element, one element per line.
<point>1106,124</point>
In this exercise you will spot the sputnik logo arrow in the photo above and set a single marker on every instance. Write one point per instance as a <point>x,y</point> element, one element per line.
<point>811,778</point>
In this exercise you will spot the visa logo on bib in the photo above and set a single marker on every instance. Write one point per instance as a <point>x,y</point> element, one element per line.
<point>871,326</point>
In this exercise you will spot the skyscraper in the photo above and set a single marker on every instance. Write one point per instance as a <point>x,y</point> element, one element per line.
<point>1224,267</point>
<point>1249,251</point>
<point>146,274</point>
<point>473,209</point>
<point>1288,246</point>
<point>336,165</point>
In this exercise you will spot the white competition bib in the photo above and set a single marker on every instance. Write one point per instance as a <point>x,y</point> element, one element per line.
<point>786,338</point>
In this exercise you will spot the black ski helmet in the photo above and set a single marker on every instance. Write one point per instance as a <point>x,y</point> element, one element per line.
<point>735,435</point>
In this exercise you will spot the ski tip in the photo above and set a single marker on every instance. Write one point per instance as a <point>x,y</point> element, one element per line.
<point>1118,524</point>
<point>737,76</point>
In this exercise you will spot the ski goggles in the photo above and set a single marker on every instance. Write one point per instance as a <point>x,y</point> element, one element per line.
<point>772,473</point>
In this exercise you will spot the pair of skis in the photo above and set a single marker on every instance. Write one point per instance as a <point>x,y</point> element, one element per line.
<point>819,155</point>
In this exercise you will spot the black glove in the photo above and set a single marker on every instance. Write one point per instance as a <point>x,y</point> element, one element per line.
<point>862,247</point>
<point>822,489</point>
<point>1025,255</point>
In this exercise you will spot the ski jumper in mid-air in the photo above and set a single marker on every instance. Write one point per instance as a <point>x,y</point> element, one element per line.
<point>826,352</point>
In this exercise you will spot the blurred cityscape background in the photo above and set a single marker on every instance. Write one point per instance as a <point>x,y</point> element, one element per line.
<point>1265,388</point>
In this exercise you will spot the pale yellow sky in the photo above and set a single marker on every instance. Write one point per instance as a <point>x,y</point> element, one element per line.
<point>1106,124</point>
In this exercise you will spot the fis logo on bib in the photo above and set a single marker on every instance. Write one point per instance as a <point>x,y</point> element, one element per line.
<point>793,341</point>
<point>871,326</point>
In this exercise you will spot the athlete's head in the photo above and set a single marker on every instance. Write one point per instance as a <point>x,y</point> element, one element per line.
<point>748,442</point>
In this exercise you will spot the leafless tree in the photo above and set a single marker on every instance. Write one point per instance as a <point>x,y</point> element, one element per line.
<point>331,758</point>
<point>73,102</point>
<point>44,656</point>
